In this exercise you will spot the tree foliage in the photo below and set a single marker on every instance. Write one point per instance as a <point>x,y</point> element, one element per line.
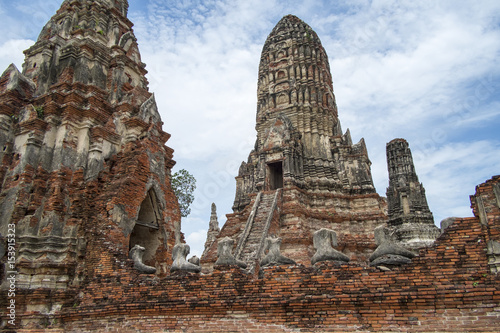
<point>184,184</point>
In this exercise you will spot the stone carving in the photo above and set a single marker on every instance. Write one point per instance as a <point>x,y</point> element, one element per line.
<point>225,253</point>
<point>54,248</point>
<point>323,241</point>
<point>96,115</point>
<point>136,254</point>
<point>274,256</point>
<point>388,253</point>
<point>18,83</point>
<point>297,121</point>
<point>179,254</point>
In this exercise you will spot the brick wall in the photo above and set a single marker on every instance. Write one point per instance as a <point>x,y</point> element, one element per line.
<point>449,287</point>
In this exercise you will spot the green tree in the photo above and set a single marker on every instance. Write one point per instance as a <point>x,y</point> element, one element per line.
<point>184,184</point>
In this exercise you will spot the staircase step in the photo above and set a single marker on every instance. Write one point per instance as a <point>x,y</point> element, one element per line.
<point>254,237</point>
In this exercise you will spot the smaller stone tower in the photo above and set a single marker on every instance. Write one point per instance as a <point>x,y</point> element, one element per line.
<point>410,221</point>
<point>213,229</point>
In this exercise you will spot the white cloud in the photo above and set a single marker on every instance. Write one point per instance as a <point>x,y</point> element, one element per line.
<point>451,172</point>
<point>11,52</point>
<point>196,240</point>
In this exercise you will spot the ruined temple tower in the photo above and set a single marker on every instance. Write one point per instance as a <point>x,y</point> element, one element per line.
<point>411,223</point>
<point>84,170</point>
<point>304,174</point>
<point>213,228</point>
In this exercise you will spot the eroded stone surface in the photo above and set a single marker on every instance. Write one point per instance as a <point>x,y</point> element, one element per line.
<point>274,256</point>
<point>83,163</point>
<point>194,260</point>
<point>388,252</point>
<point>324,240</point>
<point>136,253</point>
<point>411,223</point>
<point>179,254</point>
<point>225,254</point>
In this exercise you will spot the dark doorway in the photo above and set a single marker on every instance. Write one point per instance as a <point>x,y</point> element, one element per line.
<point>275,175</point>
<point>146,230</point>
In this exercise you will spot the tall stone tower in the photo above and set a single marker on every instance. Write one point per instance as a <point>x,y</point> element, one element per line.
<point>299,137</point>
<point>304,173</point>
<point>410,221</point>
<point>84,170</point>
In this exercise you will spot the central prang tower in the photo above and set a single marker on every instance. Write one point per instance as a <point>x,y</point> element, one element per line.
<point>299,137</point>
<point>303,173</point>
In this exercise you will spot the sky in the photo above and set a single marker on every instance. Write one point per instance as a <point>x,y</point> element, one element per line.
<point>426,71</point>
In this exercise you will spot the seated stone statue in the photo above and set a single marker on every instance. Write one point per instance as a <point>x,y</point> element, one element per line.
<point>323,241</point>
<point>388,253</point>
<point>274,257</point>
<point>179,254</point>
<point>136,253</point>
<point>225,253</point>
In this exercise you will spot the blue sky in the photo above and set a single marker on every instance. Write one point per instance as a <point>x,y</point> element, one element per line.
<point>426,71</point>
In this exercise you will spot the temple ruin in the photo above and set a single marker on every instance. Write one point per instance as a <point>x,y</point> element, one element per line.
<point>83,161</point>
<point>305,174</point>
<point>88,213</point>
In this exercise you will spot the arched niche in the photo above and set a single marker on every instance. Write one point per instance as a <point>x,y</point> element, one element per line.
<point>146,231</point>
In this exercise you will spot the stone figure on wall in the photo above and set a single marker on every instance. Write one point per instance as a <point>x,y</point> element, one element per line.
<point>225,253</point>
<point>445,223</point>
<point>411,223</point>
<point>179,254</point>
<point>388,253</point>
<point>194,260</point>
<point>323,240</point>
<point>136,254</point>
<point>274,256</point>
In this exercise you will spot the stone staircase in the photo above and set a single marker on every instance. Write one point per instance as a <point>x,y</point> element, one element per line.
<point>251,241</point>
